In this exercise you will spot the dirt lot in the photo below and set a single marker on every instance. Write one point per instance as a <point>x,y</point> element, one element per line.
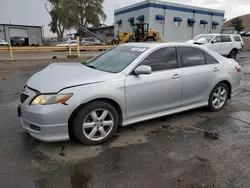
<point>150,154</point>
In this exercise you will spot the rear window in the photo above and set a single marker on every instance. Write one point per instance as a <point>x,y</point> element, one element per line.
<point>237,38</point>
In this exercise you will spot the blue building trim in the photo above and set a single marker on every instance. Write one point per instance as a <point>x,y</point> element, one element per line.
<point>168,7</point>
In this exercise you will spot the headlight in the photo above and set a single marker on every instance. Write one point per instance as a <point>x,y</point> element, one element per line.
<point>51,99</point>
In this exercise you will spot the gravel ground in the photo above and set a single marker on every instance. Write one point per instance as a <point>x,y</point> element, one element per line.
<point>154,153</point>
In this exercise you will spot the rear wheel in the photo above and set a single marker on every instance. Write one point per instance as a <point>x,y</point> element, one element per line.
<point>218,97</point>
<point>95,123</point>
<point>233,54</point>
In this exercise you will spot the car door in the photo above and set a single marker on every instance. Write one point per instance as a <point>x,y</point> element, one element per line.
<point>227,44</point>
<point>216,45</point>
<point>199,72</point>
<point>158,91</point>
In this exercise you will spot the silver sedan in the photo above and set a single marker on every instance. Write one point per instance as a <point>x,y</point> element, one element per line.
<point>130,83</point>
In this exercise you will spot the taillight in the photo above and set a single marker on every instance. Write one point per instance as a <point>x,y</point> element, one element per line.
<point>238,68</point>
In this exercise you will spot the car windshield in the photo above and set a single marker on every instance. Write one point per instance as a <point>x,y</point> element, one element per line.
<point>116,59</point>
<point>66,42</point>
<point>207,37</point>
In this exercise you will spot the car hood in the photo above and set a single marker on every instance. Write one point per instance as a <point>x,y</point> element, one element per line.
<point>58,76</point>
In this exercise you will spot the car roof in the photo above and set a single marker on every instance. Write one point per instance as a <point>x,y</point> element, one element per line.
<point>215,34</point>
<point>158,44</point>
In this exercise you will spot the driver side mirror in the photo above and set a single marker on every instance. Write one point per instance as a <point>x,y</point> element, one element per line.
<point>143,69</point>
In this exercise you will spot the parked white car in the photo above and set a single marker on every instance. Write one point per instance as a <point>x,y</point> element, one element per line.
<point>68,43</point>
<point>90,41</point>
<point>225,44</point>
<point>3,43</point>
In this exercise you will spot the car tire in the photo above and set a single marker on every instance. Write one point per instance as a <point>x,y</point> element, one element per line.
<point>218,97</point>
<point>95,123</point>
<point>233,54</point>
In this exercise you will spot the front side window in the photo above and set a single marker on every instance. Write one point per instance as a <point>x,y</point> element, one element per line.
<point>217,39</point>
<point>192,56</point>
<point>162,59</point>
<point>116,59</point>
<point>226,38</point>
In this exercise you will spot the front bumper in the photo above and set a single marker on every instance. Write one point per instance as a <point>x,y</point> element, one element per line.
<point>47,133</point>
<point>45,122</point>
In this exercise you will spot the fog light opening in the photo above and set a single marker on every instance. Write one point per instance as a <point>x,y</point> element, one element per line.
<point>34,127</point>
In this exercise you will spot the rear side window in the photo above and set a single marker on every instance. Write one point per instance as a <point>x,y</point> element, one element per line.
<point>210,59</point>
<point>237,38</point>
<point>192,56</point>
<point>225,38</point>
<point>162,59</point>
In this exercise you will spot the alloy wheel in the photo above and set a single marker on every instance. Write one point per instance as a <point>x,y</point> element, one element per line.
<point>219,97</point>
<point>98,124</point>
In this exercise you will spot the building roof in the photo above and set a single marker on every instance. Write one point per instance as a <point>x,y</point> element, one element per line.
<point>102,27</point>
<point>168,6</point>
<point>245,22</point>
<point>16,25</point>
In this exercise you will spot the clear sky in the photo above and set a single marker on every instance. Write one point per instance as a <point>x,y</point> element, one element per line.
<point>32,12</point>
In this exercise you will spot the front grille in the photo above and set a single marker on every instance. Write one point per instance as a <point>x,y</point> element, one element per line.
<point>23,97</point>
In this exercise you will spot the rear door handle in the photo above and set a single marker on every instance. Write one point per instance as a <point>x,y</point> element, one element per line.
<point>216,69</point>
<point>176,76</point>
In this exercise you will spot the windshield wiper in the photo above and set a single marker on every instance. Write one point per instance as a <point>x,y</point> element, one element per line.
<point>90,66</point>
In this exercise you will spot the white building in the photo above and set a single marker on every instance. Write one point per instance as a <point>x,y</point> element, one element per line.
<point>175,22</point>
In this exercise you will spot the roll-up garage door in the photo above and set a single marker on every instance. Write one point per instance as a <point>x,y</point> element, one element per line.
<point>18,32</point>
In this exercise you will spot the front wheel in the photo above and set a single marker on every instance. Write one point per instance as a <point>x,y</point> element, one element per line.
<point>95,123</point>
<point>218,97</point>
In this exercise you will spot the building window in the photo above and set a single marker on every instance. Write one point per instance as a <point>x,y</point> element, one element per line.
<point>190,24</point>
<point>177,21</point>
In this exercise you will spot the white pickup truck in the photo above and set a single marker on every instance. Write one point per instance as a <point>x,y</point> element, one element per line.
<point>225,44</point>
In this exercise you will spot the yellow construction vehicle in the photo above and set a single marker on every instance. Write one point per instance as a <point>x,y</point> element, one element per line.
<point>140,33</point>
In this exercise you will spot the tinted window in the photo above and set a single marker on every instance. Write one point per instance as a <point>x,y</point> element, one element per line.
<point>237,38</point>
<point>192,56</point>
<point>210,59</point>
<point>162,59</point>
<point>225,38</point>
<point>116,59</point>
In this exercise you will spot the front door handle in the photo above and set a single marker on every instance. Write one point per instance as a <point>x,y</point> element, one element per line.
<point>216,69</point>
<point>176,76</point>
